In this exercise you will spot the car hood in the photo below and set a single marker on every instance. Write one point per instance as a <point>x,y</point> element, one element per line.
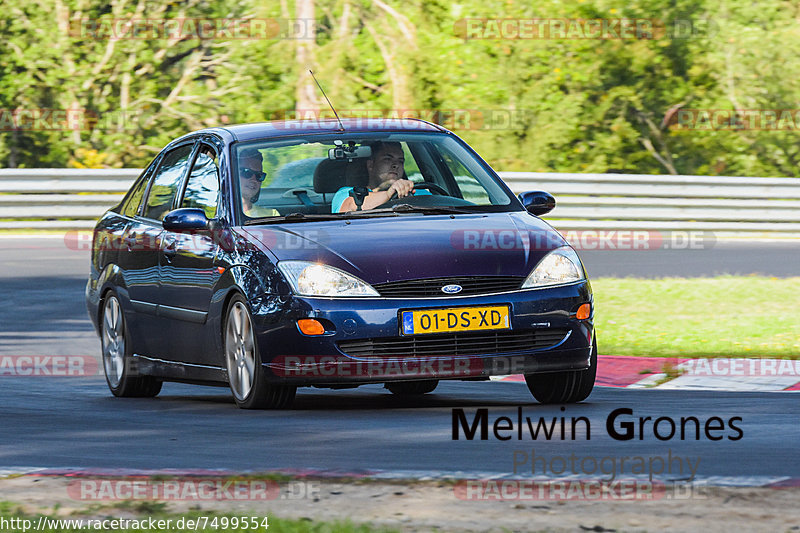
<point>380,250</point>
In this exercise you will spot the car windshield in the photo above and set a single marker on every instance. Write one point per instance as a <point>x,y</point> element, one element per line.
<point>300,178</point>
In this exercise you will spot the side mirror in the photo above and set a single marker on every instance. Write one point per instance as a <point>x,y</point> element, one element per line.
<point>537,202</point>
<point>186,219</point>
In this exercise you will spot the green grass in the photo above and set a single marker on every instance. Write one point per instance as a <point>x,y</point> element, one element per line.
<point>698,317</point>
<point>10,510</point>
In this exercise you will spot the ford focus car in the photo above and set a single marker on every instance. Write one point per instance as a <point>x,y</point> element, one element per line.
<point>267,257</point>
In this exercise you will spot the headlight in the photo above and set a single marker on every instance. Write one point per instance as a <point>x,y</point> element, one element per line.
<point>560,266</point>
<point>314,279</point>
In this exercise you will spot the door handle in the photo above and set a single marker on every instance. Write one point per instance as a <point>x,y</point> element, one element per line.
<point>170,250</point>
<point>130,240</point>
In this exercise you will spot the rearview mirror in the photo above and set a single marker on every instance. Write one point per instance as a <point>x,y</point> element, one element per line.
<point>537,202</point>
<point>186,219</point>
<point>348,151</point>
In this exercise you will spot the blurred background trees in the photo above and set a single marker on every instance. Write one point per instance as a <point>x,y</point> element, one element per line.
<point>570,105</point>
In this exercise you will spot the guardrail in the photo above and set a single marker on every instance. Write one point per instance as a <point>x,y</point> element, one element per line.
<point>654,202</point>
<point>75,198</point>
<point>72,198</point>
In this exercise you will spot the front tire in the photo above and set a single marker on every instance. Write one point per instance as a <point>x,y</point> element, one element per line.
<point>245,372</point>
<point>118,363</point>
<point>564,387</point>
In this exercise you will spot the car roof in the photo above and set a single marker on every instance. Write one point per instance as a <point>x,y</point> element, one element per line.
<point>283,128</point>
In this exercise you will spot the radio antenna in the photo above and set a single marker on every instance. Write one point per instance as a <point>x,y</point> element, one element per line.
<point>341,126</point>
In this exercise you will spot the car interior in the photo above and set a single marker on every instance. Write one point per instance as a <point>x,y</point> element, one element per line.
<point>301,184</point>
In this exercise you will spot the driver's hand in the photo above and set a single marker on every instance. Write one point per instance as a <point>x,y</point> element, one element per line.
<point>402,187</point>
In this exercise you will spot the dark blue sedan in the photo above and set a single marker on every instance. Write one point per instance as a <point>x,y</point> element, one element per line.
<point>273,256</point>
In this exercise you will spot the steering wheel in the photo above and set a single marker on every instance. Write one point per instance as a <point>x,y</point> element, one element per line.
<point>426,185</point>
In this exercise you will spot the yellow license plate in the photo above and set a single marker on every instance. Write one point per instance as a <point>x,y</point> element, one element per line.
<point>455,319</point>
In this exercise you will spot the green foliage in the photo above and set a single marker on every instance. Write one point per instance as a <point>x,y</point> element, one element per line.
<point>556,104</point>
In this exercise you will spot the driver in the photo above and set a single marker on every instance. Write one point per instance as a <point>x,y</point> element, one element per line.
<point>386,177</point>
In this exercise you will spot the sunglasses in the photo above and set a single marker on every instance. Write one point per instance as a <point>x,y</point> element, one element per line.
<point>249,173</point>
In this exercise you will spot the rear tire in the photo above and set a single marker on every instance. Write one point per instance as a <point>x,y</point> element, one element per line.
<point>118,361</point>
<point>564,387</point>
<point>412,388</point>
<point>246,375</point>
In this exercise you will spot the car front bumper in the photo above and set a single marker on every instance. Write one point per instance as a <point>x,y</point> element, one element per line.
<point>558,340</point>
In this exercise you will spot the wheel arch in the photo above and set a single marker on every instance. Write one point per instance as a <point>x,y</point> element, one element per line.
<point>97,288</point>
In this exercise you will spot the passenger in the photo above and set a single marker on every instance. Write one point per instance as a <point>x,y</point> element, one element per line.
<point>251,175</point>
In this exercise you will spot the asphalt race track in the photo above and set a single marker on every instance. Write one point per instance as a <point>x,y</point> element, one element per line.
<point>75,422</point>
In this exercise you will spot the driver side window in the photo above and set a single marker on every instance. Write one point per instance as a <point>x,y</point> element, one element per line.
<point>202,188</point>
<point>166,182</point>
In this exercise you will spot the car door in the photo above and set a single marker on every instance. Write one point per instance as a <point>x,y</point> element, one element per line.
<point>142,243</point>
<point>116,247</point>
<point>188,274</point>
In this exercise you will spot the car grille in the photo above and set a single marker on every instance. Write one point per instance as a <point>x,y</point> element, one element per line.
<point>432,287</point>
<point>454,344</point>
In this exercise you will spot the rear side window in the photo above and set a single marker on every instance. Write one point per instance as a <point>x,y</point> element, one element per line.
<point>130,207</point>
<point>166,182</point>
<point>133,198</point>
<point>202,189</point>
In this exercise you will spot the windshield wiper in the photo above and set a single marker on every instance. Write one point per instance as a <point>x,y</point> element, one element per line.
<point>388,211</point>
<point>292,217</point>
<point>431,210</point>
<point>314,217</point>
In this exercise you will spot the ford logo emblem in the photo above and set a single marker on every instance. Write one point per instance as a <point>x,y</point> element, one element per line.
<point>451,289</point>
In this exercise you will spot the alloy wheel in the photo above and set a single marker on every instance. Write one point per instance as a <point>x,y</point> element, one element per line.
<point>113,342</point>
<point>240,351</point>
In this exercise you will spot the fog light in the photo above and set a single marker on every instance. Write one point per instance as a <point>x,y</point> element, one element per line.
<point>584,312</point>
<point>310,326</point>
